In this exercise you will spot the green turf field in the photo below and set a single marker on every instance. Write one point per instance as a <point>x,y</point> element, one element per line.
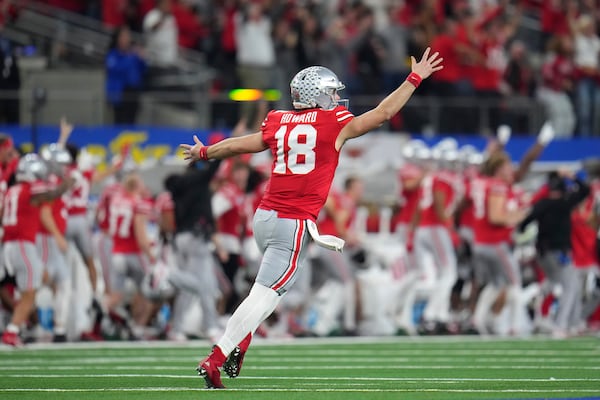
<point>362,368</point>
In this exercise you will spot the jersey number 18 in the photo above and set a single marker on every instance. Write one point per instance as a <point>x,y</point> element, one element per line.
<point>298,156</point>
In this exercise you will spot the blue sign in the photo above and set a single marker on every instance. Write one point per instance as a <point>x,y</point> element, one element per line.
<point>152,141</point>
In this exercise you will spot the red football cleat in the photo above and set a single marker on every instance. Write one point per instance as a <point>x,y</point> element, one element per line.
<point>11,339</point>
<point>209,369</point>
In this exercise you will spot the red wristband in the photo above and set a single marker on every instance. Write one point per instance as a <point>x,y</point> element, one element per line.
<point>414,79</point>
<point>203,153</point>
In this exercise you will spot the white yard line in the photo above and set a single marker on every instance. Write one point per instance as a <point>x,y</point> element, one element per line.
<point>383,361</point>
<point>585,342</point>
<point>311,378</point>
<point>287,352</point>
<point>396,367</point>
<point>363,390</point>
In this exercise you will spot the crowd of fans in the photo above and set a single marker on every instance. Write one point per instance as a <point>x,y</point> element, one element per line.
<point>502,53</point>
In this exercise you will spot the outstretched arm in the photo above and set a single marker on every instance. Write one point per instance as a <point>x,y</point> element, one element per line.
<point>229,147</point>
<point>393,102</point>
<point>66,128</point>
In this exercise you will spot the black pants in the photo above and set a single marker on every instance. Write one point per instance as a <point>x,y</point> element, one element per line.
<point>126,111</point>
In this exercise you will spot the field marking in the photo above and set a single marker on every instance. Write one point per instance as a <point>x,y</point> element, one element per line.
<point>310,378</point>
<point>363,390</point>
<point>384,361</point>
<point>470,340</point>
<point>262,352</point>
<point>410,366</point>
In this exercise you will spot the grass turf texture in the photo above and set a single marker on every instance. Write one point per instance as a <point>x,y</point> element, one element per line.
<point>357,368</point>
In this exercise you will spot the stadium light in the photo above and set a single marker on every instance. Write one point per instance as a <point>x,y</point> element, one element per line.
<point>254,94</point>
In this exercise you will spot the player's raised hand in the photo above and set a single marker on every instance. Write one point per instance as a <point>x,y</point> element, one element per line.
<point>66,128</point>
<point>428,64</point>
<point>191,153</point>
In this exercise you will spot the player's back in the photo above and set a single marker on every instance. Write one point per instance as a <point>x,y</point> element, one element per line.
<point>59,208</point>
<point>78,196</point>
<point>481,189</point>
<point>408,195</point>
<point>103,207</point>
<point>446,182</point>
<point>20,218</point>
<point>304,159</point>
<point>122,211</point>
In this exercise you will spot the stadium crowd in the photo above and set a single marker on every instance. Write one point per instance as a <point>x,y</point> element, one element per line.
<point>461,245</point>
<point>500,52</point>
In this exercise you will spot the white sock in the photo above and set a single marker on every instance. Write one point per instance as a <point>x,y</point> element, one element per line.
<point>514,304</point>
<point>12,328</point>
<point>350,306</point>
<point>259,304</point>
<point>62,297</point>
<point>487,297</point>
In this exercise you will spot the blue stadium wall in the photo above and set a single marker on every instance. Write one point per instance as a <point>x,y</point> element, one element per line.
<point>156,142</point>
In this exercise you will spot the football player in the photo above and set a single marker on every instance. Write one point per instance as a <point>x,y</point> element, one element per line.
<point>305,143</point>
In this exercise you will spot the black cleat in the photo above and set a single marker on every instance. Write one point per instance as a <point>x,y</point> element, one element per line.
<point>59,338</point>
<point>233,364</point>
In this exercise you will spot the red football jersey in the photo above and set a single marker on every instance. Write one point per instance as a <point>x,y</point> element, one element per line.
<point>480,191</point>
<point>467,215</point>
<point>251,203</point>
<point>228,212</point>
<point>59,208</point>
<point>163,203</point>
<point>103,206</point>
<point>6,172</point>
<point>446,182</point>
<point>341,201</point>
<point>79,195</point>
<point>304,159</point>
<point>20,218</point>
<point>122,211</point>
<point>583,236</point>
<point>410,198</point>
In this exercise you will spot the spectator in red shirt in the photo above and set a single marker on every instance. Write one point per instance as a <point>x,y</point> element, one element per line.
<point>555,17</point>
<point>452,81</point>
<point>191,31</point>
<point>113,12</point>
<point>557,83</point>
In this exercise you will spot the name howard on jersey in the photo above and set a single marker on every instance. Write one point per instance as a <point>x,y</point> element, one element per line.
<point>309,117</point>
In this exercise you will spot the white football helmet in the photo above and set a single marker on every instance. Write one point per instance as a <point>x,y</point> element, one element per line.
<point>465,153</point>
<point>57,158</point>
<point>447,144</point>
<point>31,168</point>
<point>315,87</point>
<point>411,148</point>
